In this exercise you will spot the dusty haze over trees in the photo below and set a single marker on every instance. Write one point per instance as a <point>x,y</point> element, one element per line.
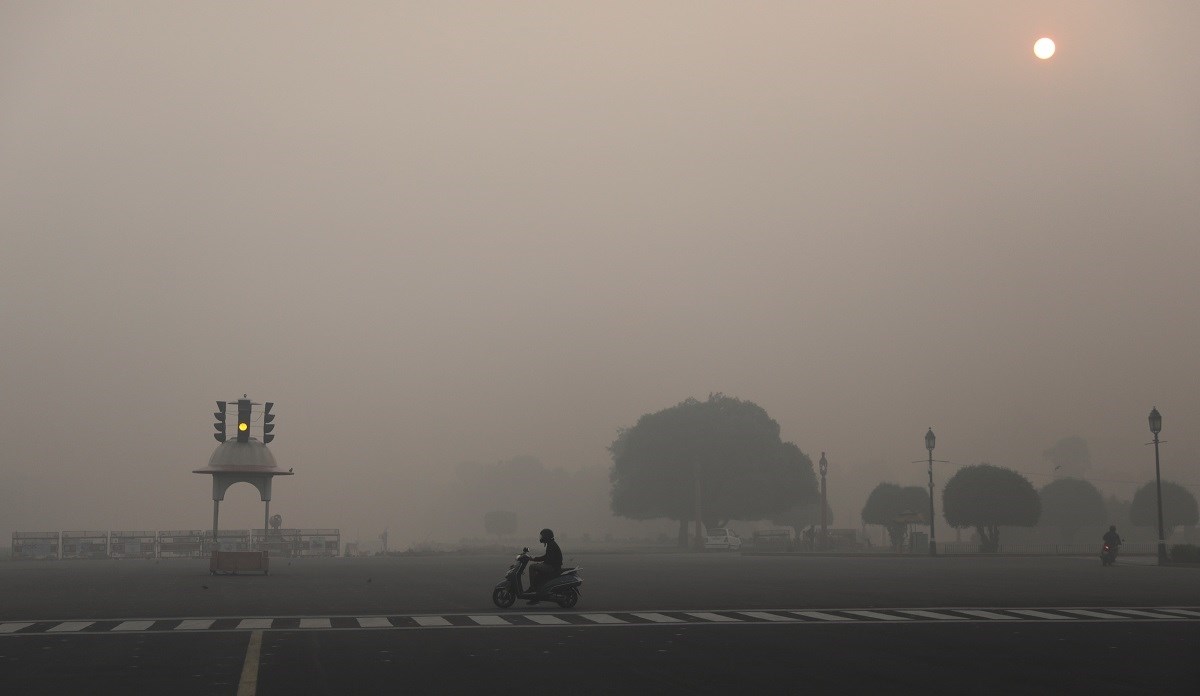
<point>445,232</point>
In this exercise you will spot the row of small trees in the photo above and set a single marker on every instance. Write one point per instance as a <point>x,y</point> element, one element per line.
<point>720,459</point>
<point>988,497</point>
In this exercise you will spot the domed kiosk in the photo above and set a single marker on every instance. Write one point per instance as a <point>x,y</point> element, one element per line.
<point>244,459</point>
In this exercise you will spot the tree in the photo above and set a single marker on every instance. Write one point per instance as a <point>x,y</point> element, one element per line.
<point>986,497</point>
<point>722,458</point>
<point>1070,456</point>
<point>1070,504</point>
<point>1178,504</point>
<point>500,523</point>
<point>895,508</point>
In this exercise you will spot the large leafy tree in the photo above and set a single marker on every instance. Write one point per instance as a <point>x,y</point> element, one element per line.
<point>1070,504</point>
<point>895,508</point>
<point>987,497</point>
<point>1178,504</point>
<point>730,449</point>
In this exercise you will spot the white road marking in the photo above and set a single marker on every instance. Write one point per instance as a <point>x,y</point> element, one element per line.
<point>1093,614</point>
<point>709,616</point>
<point>721,617</point>
<point>248,684</point>
<point>821,615</point>
<point>932,615</point>
<point>1147,614</point>
<point>1041,614</point>
<point>603,619</point>
<point>70,626</point>
<point>767,617</point>
<point>658,618</point>
<point>1185,612</point>
<point>877,615</point>
<point>987,614</point>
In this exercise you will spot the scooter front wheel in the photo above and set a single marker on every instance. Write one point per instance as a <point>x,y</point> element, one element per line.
<point>567,599</point>
<point>503,597</point>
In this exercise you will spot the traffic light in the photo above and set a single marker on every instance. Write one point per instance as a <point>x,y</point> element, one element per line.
<point>243,421</point>
<point>267,425</point>
<point>219,414</point>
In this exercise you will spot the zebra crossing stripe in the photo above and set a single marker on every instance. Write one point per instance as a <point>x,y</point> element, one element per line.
<point>194,624</point>
<point>932,615</point>
<point>1040,614</point>
<point>14,626</point>
<point>133,625</point>
<point>314,623</point>
<point>1147,614</point>
<point>986,614</point>
<point>254,623</point>
<point>374,622</point>
<point>603,619</point>
<point>877,615</point>
<point>709,616</point>
<point>546,619</point>
<point>1185,612</point>
<point>490,620</point>
<point>1093,614</point>
<point>430,621</point>
<point>70,626</point>
<point>765,616</point>
<point>821,616</point>
<point>658,618</point>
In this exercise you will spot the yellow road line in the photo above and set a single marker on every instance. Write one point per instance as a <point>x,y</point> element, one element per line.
<point>248,684</point>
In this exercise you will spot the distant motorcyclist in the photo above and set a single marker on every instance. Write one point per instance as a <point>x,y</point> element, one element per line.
<point>1112,538</point>
<point>549,564</point>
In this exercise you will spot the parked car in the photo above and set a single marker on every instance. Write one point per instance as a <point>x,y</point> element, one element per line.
<point>722,539</point>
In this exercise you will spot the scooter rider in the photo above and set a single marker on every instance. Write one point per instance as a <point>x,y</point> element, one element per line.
<point>547,565</point>
<point>1112,538</point>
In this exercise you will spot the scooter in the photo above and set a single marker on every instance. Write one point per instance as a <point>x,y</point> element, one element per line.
<point>1108,554</point>
<point>563,588</point>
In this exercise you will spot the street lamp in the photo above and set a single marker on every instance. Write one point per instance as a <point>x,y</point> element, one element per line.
<point>1156,428</point>
<point>824,521</point>
<point>930,440</point>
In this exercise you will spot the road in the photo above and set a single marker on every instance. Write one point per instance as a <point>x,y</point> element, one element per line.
<point>672,623</point>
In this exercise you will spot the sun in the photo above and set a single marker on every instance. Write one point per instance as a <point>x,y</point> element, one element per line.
<point>1043,48</point>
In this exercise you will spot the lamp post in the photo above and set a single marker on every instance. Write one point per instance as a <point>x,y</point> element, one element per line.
<point>1156,428</point>
<point>930,440</point>
<point>824,521</point>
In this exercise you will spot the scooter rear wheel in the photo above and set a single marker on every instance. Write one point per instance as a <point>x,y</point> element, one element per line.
<point>503,597</point>
<point>567,599</point>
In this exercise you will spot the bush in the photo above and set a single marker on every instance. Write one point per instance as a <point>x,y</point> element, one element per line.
<point>1185,553</point>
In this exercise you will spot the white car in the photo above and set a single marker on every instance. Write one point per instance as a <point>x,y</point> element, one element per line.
<point>722,539</point>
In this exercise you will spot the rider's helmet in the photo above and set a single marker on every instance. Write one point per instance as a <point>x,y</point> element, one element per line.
<point>546,537</point>
<point>1112,527</point>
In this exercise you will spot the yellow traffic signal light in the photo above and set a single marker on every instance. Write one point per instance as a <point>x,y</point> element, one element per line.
<point>243,426</point>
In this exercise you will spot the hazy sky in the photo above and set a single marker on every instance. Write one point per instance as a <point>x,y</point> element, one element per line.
<point>446,231</point>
